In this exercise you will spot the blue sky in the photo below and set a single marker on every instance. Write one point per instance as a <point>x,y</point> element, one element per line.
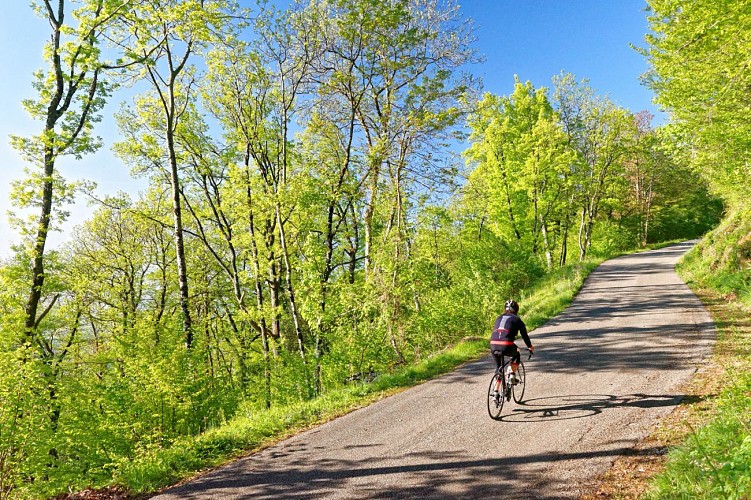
<point>535,39</point>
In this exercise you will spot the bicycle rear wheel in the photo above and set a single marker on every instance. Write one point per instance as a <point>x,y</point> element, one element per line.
<point>518,389</point>
<point>496,399</point>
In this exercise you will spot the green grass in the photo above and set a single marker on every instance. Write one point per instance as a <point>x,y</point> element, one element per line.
<point>254,429</point>
<point>714,461</point>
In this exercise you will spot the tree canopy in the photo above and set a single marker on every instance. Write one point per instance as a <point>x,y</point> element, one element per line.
<point>699,54</point>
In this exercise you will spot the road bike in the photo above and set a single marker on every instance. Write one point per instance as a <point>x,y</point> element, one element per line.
<point>502,388</point>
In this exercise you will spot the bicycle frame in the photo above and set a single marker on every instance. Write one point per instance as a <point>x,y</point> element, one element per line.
<point>501,389</point>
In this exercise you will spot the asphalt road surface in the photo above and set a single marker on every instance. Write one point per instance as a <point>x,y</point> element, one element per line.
<point>604,372</point>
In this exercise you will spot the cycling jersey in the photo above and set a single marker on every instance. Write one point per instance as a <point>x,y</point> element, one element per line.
<point>506,328</point>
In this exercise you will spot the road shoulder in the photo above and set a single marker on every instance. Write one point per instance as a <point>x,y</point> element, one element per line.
<point>630,475</point>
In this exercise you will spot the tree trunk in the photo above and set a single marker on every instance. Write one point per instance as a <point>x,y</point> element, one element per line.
<point>510,206</point>
<point>263,328</point>
<point>368,218</point>
<point>266,370</point>
<point>182,273</point>
<point>582,237</point>
<point>37,280</point>
<point>290,287</point>
<point>546,245</point>
<point>62,95</point>
<point>647,215</point>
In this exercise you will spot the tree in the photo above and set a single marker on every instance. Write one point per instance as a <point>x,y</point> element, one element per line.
<point>699,55</point>
<point>168,37</point>
<point>253,91</point>
<point>644,169</point>
<point>598,132</point>
<point>71,92</point>
<point>522,162</point>
<point>392,75</point>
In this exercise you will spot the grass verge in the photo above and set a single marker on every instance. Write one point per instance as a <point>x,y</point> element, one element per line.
<point>254,430</point>
<point>714,460</point>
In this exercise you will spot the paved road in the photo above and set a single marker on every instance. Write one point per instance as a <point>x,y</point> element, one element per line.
<point>604,372</point>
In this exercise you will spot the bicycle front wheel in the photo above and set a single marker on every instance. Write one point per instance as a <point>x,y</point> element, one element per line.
<point>495,398</point>
<point>518,389</point>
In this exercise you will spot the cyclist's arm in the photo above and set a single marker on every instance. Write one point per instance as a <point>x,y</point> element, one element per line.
<point>525,336</point>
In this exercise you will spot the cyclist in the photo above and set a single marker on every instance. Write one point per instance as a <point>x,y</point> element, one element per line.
<point>507,326</point>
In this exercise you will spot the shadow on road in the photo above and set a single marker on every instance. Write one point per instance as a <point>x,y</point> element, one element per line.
<point>587,405</point>
<point>420,475</point>
<point>622,348</point>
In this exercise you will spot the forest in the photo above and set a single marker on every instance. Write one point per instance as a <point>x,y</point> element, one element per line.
<point>331,196</point>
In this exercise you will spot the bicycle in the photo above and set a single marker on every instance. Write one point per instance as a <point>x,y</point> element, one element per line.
<point>501,388</point>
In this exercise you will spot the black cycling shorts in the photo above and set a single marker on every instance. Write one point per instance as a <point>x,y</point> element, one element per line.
<point>511,351</point>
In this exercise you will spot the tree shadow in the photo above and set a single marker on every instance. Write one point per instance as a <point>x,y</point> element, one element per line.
<point>574,406</point>
<point>430,475</point>
<point>623,348</point>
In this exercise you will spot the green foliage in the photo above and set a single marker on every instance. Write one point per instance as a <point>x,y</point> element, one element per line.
<point>24,427</point>
<point>698,53</point>
<point>520,149</point>
<point>722,259</point>
<point>693,215</point>
<point>577,170</point>
<point>254,427</point>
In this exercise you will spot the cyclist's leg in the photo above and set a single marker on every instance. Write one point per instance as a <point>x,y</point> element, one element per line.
<point>512,351</point>
<point>498,356</point>
<point>516,357</point>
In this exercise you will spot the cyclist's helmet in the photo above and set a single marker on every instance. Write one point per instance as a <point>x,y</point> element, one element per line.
<point>512,305</point>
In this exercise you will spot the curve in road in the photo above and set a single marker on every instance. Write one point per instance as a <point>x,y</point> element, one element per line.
<point>605,371</point>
